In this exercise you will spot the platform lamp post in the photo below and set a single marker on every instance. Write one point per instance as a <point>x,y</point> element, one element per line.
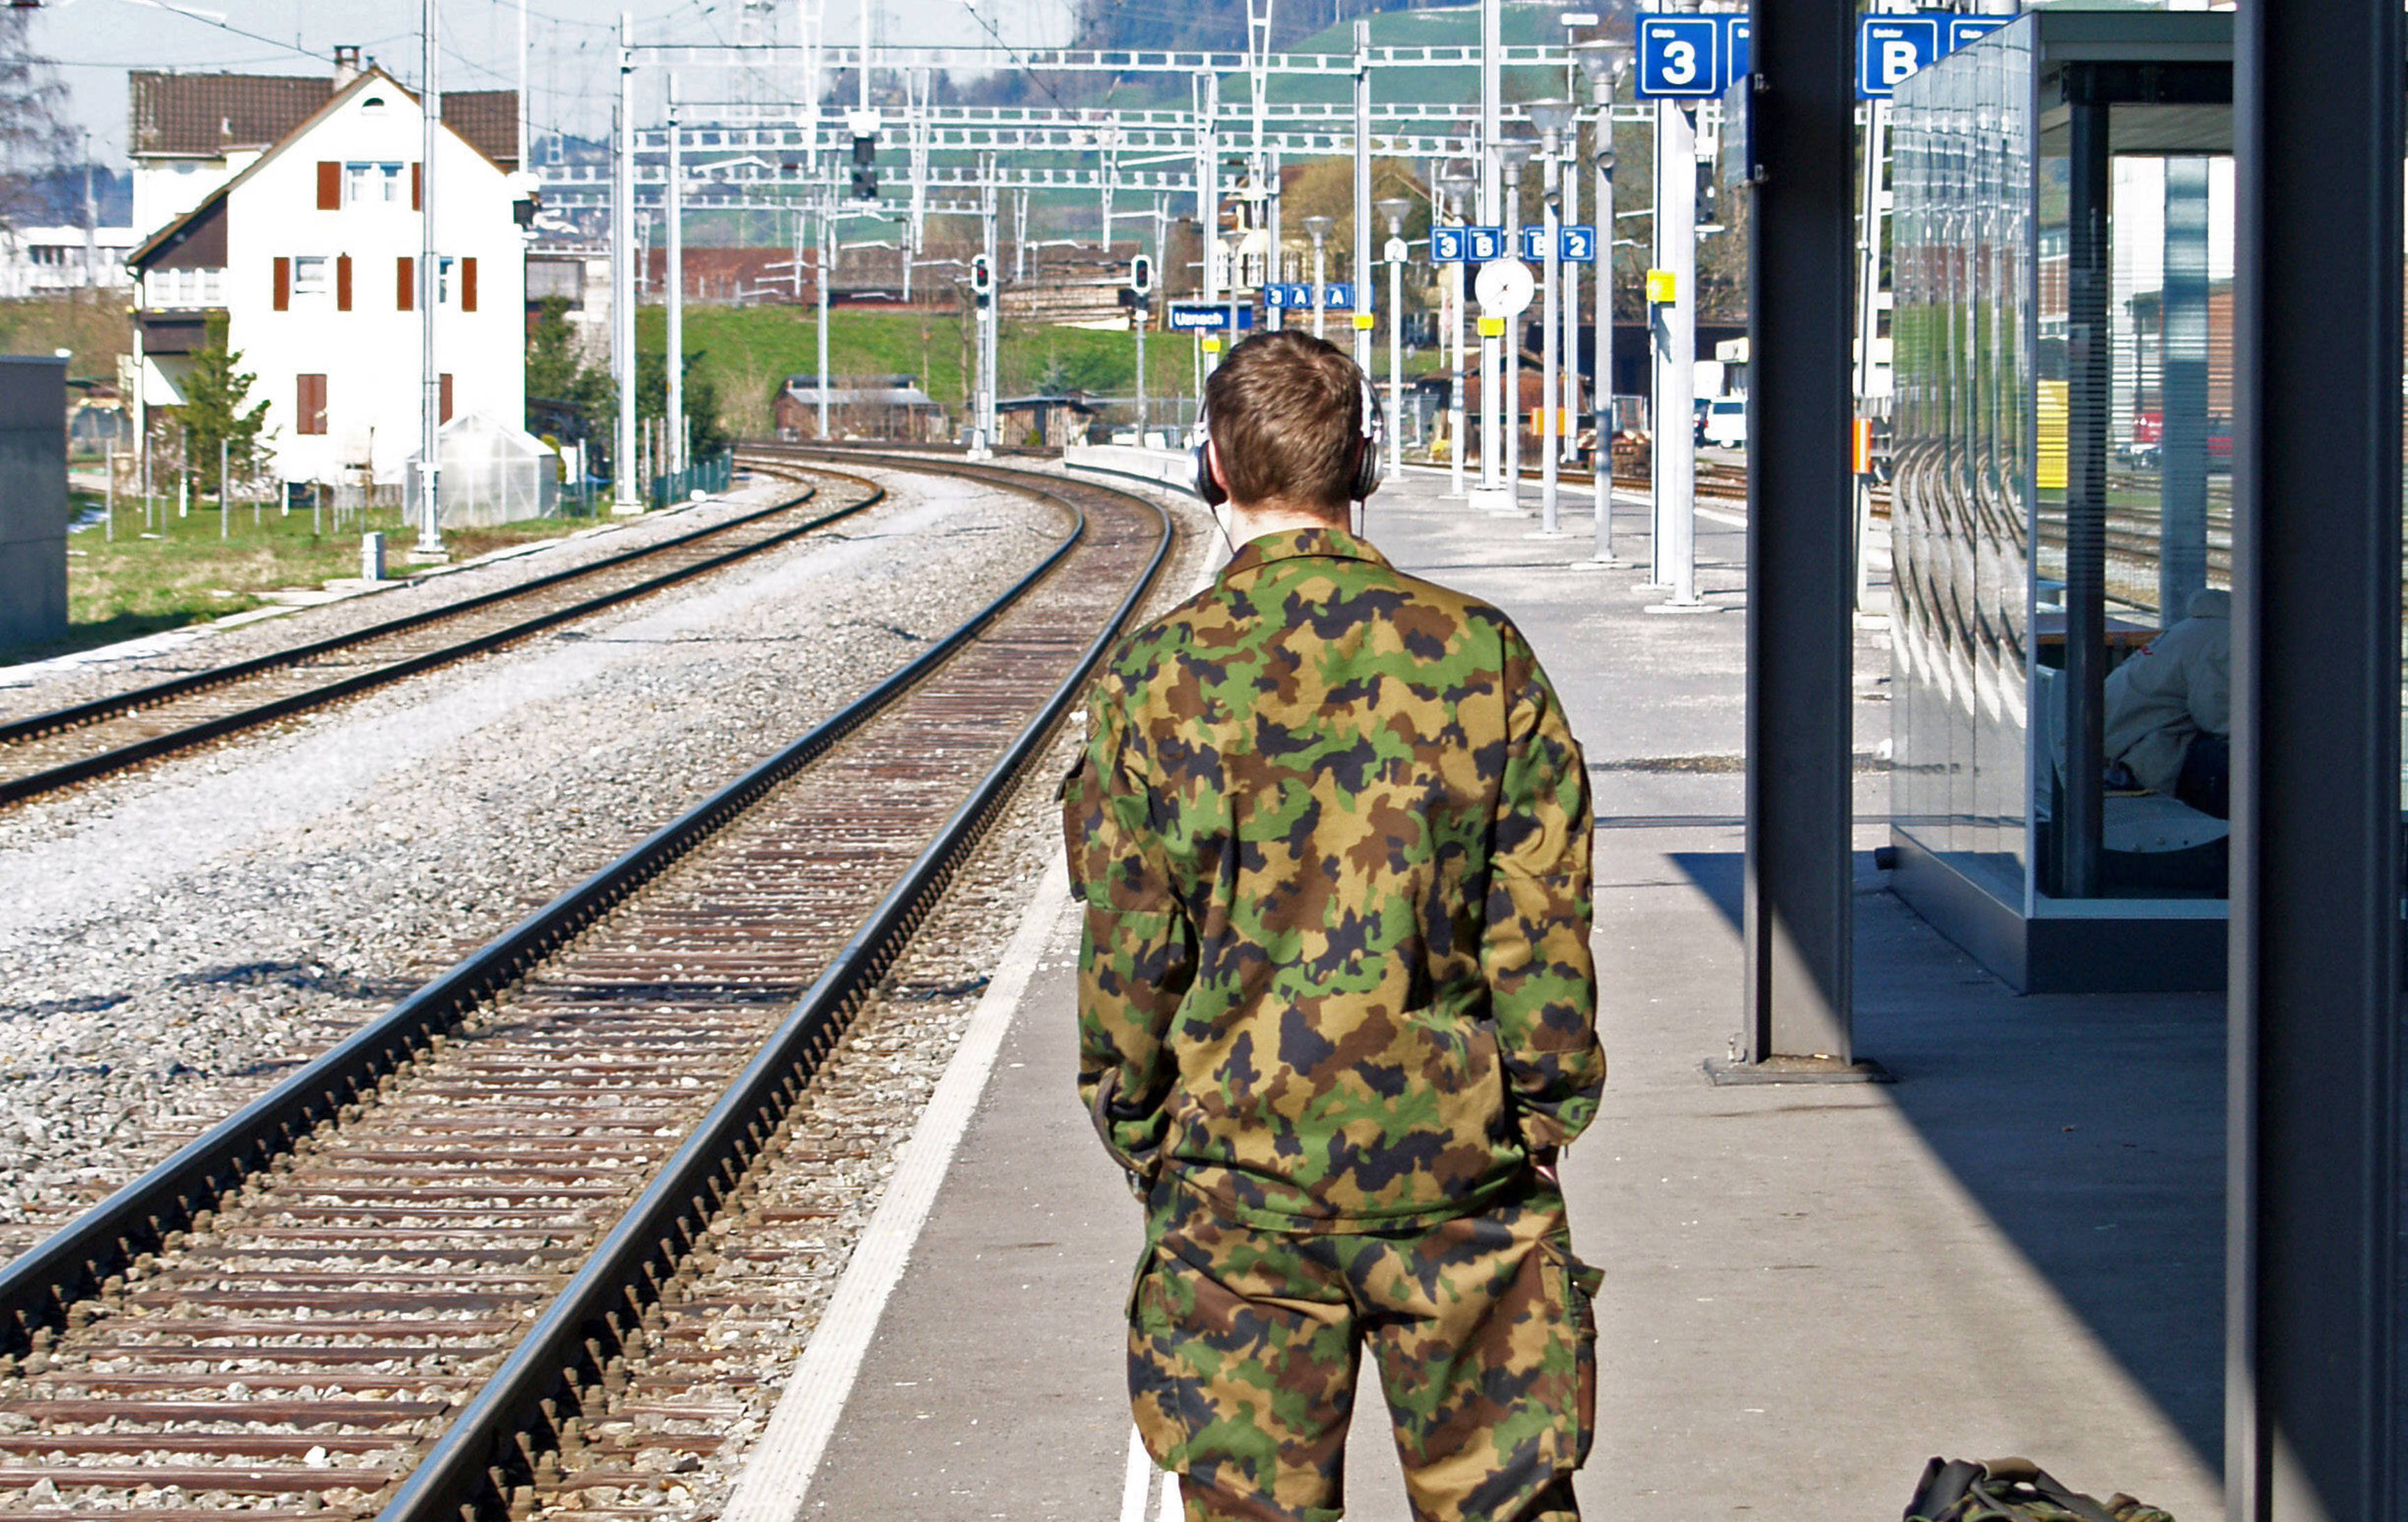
<point>1319,227</point>
<point>1605,63</point>
<point>1458,184</point>
<point>1394,208</point>
<point>1551,117</point>
<point>1513,153</point>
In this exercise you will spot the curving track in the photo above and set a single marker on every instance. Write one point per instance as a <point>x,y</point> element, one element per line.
<point>413,1276</point>
<point>47,751</point>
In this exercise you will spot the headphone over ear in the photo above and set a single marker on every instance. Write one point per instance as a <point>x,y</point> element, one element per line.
<point>1363,477</point>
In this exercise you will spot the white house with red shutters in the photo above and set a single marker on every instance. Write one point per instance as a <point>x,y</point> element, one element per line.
<point>310,242</point>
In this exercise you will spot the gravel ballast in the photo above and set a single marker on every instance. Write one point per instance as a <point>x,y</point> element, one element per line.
<point>175,940</point>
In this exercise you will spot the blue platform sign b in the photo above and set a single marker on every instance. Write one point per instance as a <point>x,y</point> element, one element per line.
<point>1890,48</point>
<point>1679,57</point>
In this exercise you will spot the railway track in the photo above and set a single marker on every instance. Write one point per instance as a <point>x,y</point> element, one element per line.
<point>411,1279</point>
<point>53,751</point>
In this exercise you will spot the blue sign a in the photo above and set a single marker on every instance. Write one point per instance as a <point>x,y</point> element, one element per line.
<point>1338,294</point>
<point>1482,244</point>
<point>1206,316</point>
<point>1446,245</point>
<point>1580,245</point>
<point>1890,48</point>
<point>1679,57</point>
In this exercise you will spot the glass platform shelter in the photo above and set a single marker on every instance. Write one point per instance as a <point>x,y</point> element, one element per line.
<point>2062,247</point>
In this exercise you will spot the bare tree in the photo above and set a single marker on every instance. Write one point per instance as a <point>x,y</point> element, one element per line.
<point>36,141</point>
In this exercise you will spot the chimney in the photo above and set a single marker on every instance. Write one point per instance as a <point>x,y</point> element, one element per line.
<point>347,64</point>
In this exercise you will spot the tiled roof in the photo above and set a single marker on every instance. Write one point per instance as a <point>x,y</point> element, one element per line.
<point>489,119</point>
<point>205,115</point>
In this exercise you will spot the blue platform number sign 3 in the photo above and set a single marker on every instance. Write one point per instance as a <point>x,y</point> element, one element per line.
<point>1679,57</point>
<point>1890,48</point>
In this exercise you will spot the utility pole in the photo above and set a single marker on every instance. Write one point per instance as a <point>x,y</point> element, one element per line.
<point>1491,494</point>
<point>1456,185</point>
<point>521,114</point>
<point>624,498</point>
<point>91,221</point>
<point>429,548</point>
<point>1207,202</point>
<point>1513,153</point>
<point>1551,117</point>
<point>1672,299</point>
<point>1394,208</point>
<point>1275,253</point>
<point>1319,227</point>
<point>675,358</point>
<point>1605,63</point>
<point>827,256</point>
<point>1362,314</point>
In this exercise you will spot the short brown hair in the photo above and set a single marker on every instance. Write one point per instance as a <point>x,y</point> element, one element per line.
<point>1285,411</point>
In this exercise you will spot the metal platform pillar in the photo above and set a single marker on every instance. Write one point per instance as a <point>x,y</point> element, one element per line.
<point>1797,913</point>
<point>2311,1330</point>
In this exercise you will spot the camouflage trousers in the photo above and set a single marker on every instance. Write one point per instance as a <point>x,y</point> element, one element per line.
<point>1244,1346</point>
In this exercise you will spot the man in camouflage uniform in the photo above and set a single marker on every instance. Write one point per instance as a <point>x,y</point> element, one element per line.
<point>1336,1005</point>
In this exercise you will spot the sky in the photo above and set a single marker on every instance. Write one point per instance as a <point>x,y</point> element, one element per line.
<point>570,42</point>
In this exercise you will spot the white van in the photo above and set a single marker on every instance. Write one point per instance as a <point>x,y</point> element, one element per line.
<point>1726,422</point>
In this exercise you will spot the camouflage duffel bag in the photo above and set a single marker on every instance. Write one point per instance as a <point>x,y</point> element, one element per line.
<point>2012,1490</point>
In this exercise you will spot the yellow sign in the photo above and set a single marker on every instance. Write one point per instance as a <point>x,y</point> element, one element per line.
<point>1365,321</point>
<point>1662,288</point>
<point>1492,327</point>
<point>2054,402</point>
<point>1211,345</point>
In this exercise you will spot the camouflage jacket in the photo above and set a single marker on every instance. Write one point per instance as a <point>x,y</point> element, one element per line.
<point>1331,832</point>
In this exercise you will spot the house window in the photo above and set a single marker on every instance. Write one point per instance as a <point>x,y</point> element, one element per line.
<point>443,281</point>
<point>312,275</point>
<point>376,184</point>
<point>172,288</point>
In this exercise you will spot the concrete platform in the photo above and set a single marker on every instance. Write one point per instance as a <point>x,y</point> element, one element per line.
<point>1808,1290</point>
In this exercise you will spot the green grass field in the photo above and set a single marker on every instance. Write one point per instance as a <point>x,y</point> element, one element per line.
<point>175,571</point>
<point>748,351</point>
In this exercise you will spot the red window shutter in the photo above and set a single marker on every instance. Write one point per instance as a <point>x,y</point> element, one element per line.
<point>311,404</point>
<point>447,397</point>
<point>417,187</point>
<point>330,185</point>
<point>283,284</point>
<point>404,290</point>
<point>468,284</point>
<point>342,282</point>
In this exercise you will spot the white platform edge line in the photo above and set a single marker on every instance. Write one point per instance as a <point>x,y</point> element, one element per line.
<point>1137,1479</point>
<point>776,1478</point>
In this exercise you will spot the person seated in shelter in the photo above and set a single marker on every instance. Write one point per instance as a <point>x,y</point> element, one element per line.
<point>2170,708</point>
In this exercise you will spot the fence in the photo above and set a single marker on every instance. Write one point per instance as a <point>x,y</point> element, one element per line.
<point>708,476</point>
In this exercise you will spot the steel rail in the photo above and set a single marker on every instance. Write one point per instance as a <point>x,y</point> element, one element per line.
<point>37,1287</point>
<point>118,757</point>
<point>479,1457</point>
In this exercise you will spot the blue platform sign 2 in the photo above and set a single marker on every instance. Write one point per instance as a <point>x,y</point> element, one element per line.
<point>1482,244</point>
<point>1580,245</point>
<point>1446,245</point>
<point>1679,57</point>
<point>1890,48</point>
<point>1206,316</point>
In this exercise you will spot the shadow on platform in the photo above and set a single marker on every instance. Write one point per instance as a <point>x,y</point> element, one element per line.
<point>2090,1128</point>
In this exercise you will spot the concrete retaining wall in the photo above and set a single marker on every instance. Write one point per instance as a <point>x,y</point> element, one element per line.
<point>33,499</point>
<point>1165,467</point>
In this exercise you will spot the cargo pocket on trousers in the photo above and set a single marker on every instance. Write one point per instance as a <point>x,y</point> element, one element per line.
<point>1579,1283</point>
<point>1163,1389</point>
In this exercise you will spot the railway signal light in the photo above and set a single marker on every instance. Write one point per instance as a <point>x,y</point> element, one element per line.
<point>863,126</point>
<point>982,278</point>
<point>1141,277</point>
